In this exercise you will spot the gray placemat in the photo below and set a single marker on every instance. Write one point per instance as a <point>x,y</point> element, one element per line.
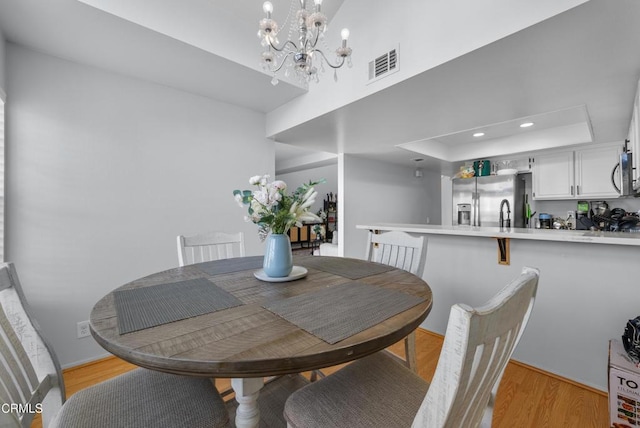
<point>146,307</point>
<point>218,267</point>
<point>337,312</point>
<point>348,268</point>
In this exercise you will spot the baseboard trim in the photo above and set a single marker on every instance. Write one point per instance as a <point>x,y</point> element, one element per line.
<point>535,369</point>
<point>88,363</point>
<point>561,378</point>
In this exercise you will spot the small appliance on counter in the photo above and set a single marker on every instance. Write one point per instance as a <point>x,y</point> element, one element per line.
<point>622,221</point>
<point>600,215</point>
<point>582,212</point>
<point>601,218</point>
<point>600,208</point>
<point>545,220</point>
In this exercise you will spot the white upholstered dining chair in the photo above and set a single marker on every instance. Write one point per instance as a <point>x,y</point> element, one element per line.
<point>209,246</point>
<point>378,391</point>
<point>31,382</point>
<point>401,250</point>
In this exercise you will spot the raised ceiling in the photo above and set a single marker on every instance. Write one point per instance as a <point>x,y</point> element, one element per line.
<point>585,57</point>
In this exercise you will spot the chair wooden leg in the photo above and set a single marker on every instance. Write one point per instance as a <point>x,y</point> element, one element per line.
<point>410,351</point>
<point>316,374</point>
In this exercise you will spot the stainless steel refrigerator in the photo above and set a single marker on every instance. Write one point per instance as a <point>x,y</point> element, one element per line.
<point>476,201</point>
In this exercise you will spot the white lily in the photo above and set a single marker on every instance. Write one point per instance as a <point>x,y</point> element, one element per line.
<point>310,200</point>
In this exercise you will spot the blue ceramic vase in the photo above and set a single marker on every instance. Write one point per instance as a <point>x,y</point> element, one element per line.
<point>278,260</point>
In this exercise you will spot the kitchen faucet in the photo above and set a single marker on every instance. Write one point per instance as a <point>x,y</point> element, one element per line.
<point>502,220</point>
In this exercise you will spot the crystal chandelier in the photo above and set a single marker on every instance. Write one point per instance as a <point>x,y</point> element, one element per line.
<point>303,58</point>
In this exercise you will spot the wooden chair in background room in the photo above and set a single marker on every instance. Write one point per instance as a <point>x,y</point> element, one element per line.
<point>401,250</point>
<point>209,246</point>
<point>378,391</point>
<point>31,381</point>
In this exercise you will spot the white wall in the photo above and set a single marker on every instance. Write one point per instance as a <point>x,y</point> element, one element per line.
<point>328,172</point>
<point>3,85</point>
<point>377,192</point>
<point>429,33</point>
<point>103,171</point>
<point>583,300</point>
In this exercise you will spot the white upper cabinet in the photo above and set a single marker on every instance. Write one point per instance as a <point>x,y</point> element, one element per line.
<point>593,171</point>
<point>553,176</point>
<point>578,174</point>
<point>634,139</point>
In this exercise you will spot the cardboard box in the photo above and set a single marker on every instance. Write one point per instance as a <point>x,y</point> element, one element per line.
<point>624,390</point>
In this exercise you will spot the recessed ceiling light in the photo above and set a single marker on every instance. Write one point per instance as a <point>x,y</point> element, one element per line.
<point>479,134</point>
<point>526,124</point>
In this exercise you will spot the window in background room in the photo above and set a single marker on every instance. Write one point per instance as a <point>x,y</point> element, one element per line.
<point>2,137</point>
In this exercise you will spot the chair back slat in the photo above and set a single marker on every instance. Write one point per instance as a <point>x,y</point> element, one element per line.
<point>16,371</point>
<point>398,249</point>
<point>477,346</point>
<point>30,375</point>
<point>209,246</point>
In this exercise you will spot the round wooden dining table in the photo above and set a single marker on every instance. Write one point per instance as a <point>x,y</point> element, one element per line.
<point>219,320</point>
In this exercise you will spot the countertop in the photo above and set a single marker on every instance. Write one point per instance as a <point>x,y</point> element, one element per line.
<point>577,236</point>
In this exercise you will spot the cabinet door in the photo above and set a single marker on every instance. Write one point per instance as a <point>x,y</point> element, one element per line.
<point>634,140</point>
<point>552,176</point>
<point>593,171</point>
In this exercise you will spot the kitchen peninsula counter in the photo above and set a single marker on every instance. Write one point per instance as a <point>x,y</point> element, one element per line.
<point>588,288</point>
<point>578,236</point>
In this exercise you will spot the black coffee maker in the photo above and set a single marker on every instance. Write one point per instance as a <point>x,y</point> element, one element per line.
<point>600,215</point>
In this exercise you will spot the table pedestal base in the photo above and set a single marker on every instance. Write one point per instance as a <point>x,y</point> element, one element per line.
<point>271,400</point>
<point>247,391</point>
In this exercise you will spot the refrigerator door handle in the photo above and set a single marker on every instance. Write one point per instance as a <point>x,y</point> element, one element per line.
<point>473,209</point>
<point>476,210</point>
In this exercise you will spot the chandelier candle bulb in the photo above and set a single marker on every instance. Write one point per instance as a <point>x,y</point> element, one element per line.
<point>267,7</point>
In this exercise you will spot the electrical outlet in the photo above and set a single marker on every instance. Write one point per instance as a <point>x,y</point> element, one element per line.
<point>82,329</point>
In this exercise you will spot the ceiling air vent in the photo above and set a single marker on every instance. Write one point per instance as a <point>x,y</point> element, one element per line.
<point>383,65</point>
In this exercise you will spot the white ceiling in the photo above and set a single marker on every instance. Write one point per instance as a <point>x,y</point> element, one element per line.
<point>585,57</point>
<point>570,126</point>
<point>75,31</point>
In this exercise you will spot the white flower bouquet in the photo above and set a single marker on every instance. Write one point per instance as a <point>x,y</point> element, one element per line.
<point>272,209</point>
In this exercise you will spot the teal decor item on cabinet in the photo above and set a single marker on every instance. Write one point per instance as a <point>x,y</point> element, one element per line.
<point>482,167</point>
<point>278,260</point>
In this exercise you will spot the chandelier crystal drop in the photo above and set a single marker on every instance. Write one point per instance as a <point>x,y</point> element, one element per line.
<point>303,59</point>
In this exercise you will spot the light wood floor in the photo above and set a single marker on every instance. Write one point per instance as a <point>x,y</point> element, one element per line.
<point>527,397</point>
